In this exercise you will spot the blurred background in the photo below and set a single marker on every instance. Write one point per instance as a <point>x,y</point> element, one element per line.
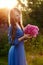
<point>32,13</point>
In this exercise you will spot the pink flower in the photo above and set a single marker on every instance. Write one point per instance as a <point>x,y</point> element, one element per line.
<point>32,30</point>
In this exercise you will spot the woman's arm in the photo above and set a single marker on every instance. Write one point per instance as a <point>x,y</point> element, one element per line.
<point>25,37</point>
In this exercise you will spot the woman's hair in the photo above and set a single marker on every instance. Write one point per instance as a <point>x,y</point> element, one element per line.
<point>13,22</point>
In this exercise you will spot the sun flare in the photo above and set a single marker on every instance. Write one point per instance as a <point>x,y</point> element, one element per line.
<point>8,3</point>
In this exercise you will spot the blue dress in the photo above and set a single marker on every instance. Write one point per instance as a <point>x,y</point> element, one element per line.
<point>16,54</point>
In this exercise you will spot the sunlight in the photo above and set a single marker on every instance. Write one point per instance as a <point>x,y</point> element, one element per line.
<point>12,3</point>
<point>8,3</point>
<point>24,2</point>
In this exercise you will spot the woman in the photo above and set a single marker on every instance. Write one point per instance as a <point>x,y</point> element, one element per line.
<point>16,37</point>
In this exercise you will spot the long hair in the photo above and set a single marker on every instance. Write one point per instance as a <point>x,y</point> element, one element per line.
<point>13,23</point>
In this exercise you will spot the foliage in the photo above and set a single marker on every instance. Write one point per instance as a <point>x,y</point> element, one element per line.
<point>4,45</point>
<point>37,14</point>
<point>35,45</point>
<point>37,61</point>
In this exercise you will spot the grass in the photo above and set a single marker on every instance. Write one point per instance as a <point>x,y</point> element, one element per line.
<point>3,61</point>
<point>34,59</point>
<point>31,60</point>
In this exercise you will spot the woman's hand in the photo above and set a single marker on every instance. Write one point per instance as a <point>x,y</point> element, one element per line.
<point>26,36</point>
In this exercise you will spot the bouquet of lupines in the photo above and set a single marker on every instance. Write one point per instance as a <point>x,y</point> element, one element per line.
<point>32,30</point>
